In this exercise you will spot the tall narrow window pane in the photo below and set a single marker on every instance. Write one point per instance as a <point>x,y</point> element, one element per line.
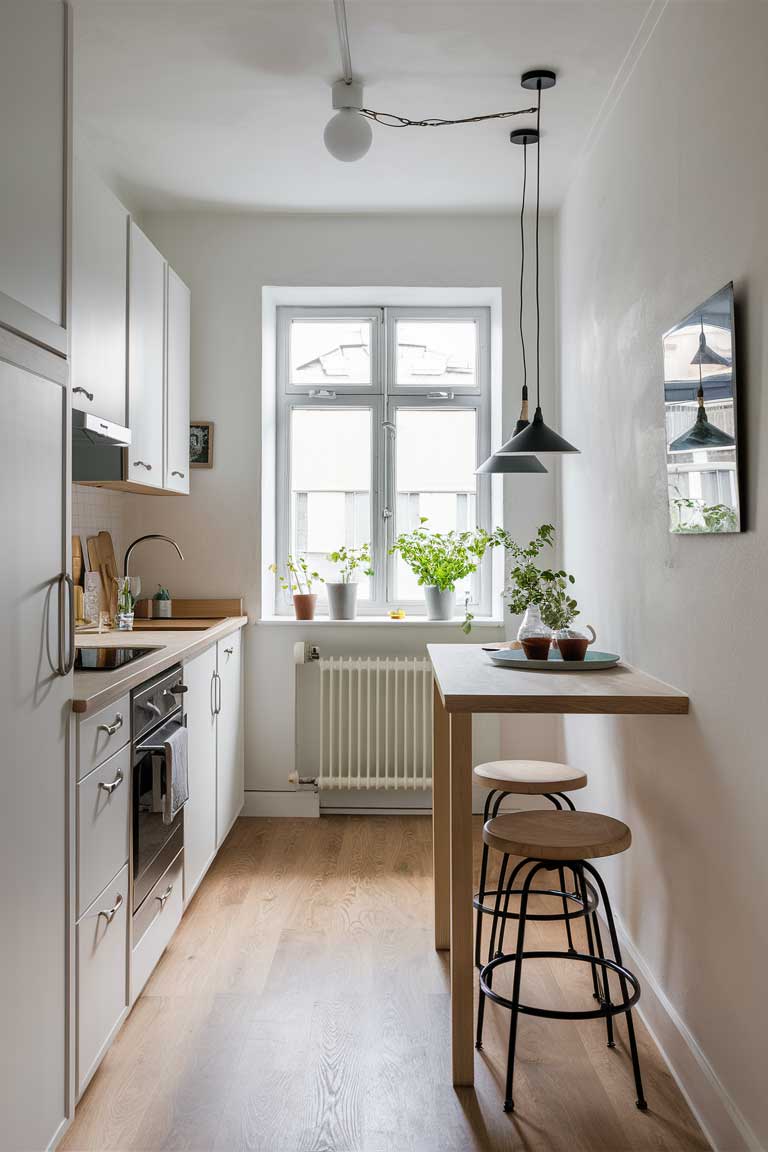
<point>436,354</point>
<point>330,486</point>
<point>330,353</point>
<point>435,461</point>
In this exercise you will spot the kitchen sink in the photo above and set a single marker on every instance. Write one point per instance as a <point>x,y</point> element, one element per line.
<point>181,624</point>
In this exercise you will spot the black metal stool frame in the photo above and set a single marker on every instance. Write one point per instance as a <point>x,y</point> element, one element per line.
<point>478,901</point>
<point>607,1009</point>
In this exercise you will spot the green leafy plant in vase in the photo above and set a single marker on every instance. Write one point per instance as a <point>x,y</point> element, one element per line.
<point>298,580</point>
<point>439,561</point>
<point>342,593</point>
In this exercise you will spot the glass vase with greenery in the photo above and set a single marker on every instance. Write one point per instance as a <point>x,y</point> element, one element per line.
<point>544,591</point>
<point>440,560</point>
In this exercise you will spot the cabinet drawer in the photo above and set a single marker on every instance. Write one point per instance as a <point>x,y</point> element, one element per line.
<point>101,735</point>
<point>155,923</point>
<point>102,941</point>
<point>103,806</point>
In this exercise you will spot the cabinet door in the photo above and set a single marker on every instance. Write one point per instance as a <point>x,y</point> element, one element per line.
<point>35,702</point>
<point>146,331</point>
<point>177,386</point>
<point>102,985</point>
<point>200,809</point>
<point>99,298</point>
<point>33,143</point>
<point>230,748</point>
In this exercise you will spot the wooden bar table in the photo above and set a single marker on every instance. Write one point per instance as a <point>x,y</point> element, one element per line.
<point>466,682</point>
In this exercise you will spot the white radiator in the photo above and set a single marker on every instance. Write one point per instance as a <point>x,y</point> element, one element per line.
<point>375,722</point>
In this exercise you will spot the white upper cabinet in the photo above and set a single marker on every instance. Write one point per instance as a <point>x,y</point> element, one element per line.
<point>177,385</point>
<point>146,360</point>
<point>33,144</point>
<point>99,298</point>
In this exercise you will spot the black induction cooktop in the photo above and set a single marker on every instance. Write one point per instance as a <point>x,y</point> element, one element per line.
<point>108,659</point>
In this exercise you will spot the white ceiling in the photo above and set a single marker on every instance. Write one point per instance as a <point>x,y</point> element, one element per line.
<point>223,103</point>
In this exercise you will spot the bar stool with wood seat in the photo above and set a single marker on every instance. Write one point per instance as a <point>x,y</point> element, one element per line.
<point>503,778</point>
<point>550,840</point>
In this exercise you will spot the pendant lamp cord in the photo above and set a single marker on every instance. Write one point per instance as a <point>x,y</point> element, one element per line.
<point>538,188</point>
<point>522,270</point>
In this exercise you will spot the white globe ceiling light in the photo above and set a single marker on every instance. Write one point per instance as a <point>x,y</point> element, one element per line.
<point>348,135</point>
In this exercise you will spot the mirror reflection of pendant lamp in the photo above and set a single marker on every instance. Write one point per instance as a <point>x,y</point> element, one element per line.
<point>703,436</point>
<point>520,463</point>
<point>536,436</point>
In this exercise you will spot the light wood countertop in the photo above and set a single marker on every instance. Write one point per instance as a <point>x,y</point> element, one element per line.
<point>95,690</point>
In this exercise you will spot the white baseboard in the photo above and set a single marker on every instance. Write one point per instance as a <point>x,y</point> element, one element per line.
<point>297,802</point>
<point>721,1121</point>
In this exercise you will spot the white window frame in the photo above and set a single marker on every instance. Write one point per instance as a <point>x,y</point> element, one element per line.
<point>383,397</point>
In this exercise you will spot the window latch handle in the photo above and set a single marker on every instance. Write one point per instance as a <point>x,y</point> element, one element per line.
<point>386,513</point>
<point>322,394</point>
<point>439,395</point>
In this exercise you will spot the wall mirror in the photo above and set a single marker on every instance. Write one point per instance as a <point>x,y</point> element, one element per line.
<point>700,418</point>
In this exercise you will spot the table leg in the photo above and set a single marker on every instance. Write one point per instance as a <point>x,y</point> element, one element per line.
<point>462,970</point>
<point>441,821</point>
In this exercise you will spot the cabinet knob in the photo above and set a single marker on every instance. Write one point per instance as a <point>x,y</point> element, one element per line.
<point>142,464</point>
<point>110,729</point>
<point>85,392</point>
<point>109,913</point>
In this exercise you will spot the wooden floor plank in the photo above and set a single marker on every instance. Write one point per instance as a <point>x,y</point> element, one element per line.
<point>302,1007</point>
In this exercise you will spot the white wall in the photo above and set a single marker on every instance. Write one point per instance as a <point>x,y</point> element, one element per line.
<point>226,260</point>
<point>669,206</point>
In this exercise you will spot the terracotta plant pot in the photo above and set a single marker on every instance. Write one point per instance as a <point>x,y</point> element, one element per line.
<point>304,605</point>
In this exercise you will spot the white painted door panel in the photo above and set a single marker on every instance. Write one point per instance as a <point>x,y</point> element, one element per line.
<point>99,298</point>
<point>102,973</point>
<point>230,792</point>
<point>177,386</point>
<point>35,707</point>
<point>32,144</point>
<point>146,359</point>
<point>200,809</point>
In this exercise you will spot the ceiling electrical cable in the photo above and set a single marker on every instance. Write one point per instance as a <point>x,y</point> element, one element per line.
<point>340,9</point>
<point>390,120</point>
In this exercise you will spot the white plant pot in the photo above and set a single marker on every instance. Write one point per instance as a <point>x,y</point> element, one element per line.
<point>342,600</point>
<point>441,605</point>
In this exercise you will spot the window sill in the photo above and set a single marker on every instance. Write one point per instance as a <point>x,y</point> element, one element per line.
<point>365,621</point>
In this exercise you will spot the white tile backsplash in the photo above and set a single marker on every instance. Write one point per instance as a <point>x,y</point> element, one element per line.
<point>97,510</point>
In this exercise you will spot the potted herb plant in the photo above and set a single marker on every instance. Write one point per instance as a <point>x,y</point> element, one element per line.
<point>342,593</point>
<point>542,596</point>
<point>439,560</point>
<point>162,603</point>
<point>299,580</point>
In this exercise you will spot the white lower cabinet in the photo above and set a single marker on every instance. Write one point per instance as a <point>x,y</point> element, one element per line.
<point>102,936</point>
<point>159,918</point>
<point>230,770</point>
<point>200,809</point>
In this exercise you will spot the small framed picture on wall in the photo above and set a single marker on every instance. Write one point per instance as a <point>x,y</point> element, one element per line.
<point>201,444</point>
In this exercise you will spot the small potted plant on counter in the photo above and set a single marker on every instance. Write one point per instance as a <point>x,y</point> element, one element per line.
<point>299,581</point>
<point>542,597</point>
<point>440,560</point>
<point>162,603</point>
<point>342,593</point>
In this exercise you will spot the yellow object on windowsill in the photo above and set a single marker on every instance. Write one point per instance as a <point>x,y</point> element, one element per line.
<point>397,614</point>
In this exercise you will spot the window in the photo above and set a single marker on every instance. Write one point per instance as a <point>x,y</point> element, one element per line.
<point>383,416</point>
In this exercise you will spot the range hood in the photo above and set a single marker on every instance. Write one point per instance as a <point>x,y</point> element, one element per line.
<point>97,448</point>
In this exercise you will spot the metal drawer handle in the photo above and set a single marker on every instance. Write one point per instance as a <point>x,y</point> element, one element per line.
<point>110,729</point>
<point>177,473</point>
<point>165,896</point>
<point>229,651</point>
<point>109,788</point>
<point>110,913</point>
<point>142,464</point>
<point>84,391</point>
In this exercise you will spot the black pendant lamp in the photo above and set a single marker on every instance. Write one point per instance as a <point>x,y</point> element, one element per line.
<point>519,463</point>
<point>703,436</point>
<point>537,437</point>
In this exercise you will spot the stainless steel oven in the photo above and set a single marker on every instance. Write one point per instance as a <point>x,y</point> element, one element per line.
<point>156,708</point>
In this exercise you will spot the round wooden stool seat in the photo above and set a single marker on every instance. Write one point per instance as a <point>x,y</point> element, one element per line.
<point>551,835</point>
<point>529,777</point>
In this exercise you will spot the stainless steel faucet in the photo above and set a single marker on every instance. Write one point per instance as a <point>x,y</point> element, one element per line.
<point>151,536</point>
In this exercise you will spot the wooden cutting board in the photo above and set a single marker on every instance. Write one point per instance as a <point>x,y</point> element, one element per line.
<point>101,553</point>
<point>78,567</point>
